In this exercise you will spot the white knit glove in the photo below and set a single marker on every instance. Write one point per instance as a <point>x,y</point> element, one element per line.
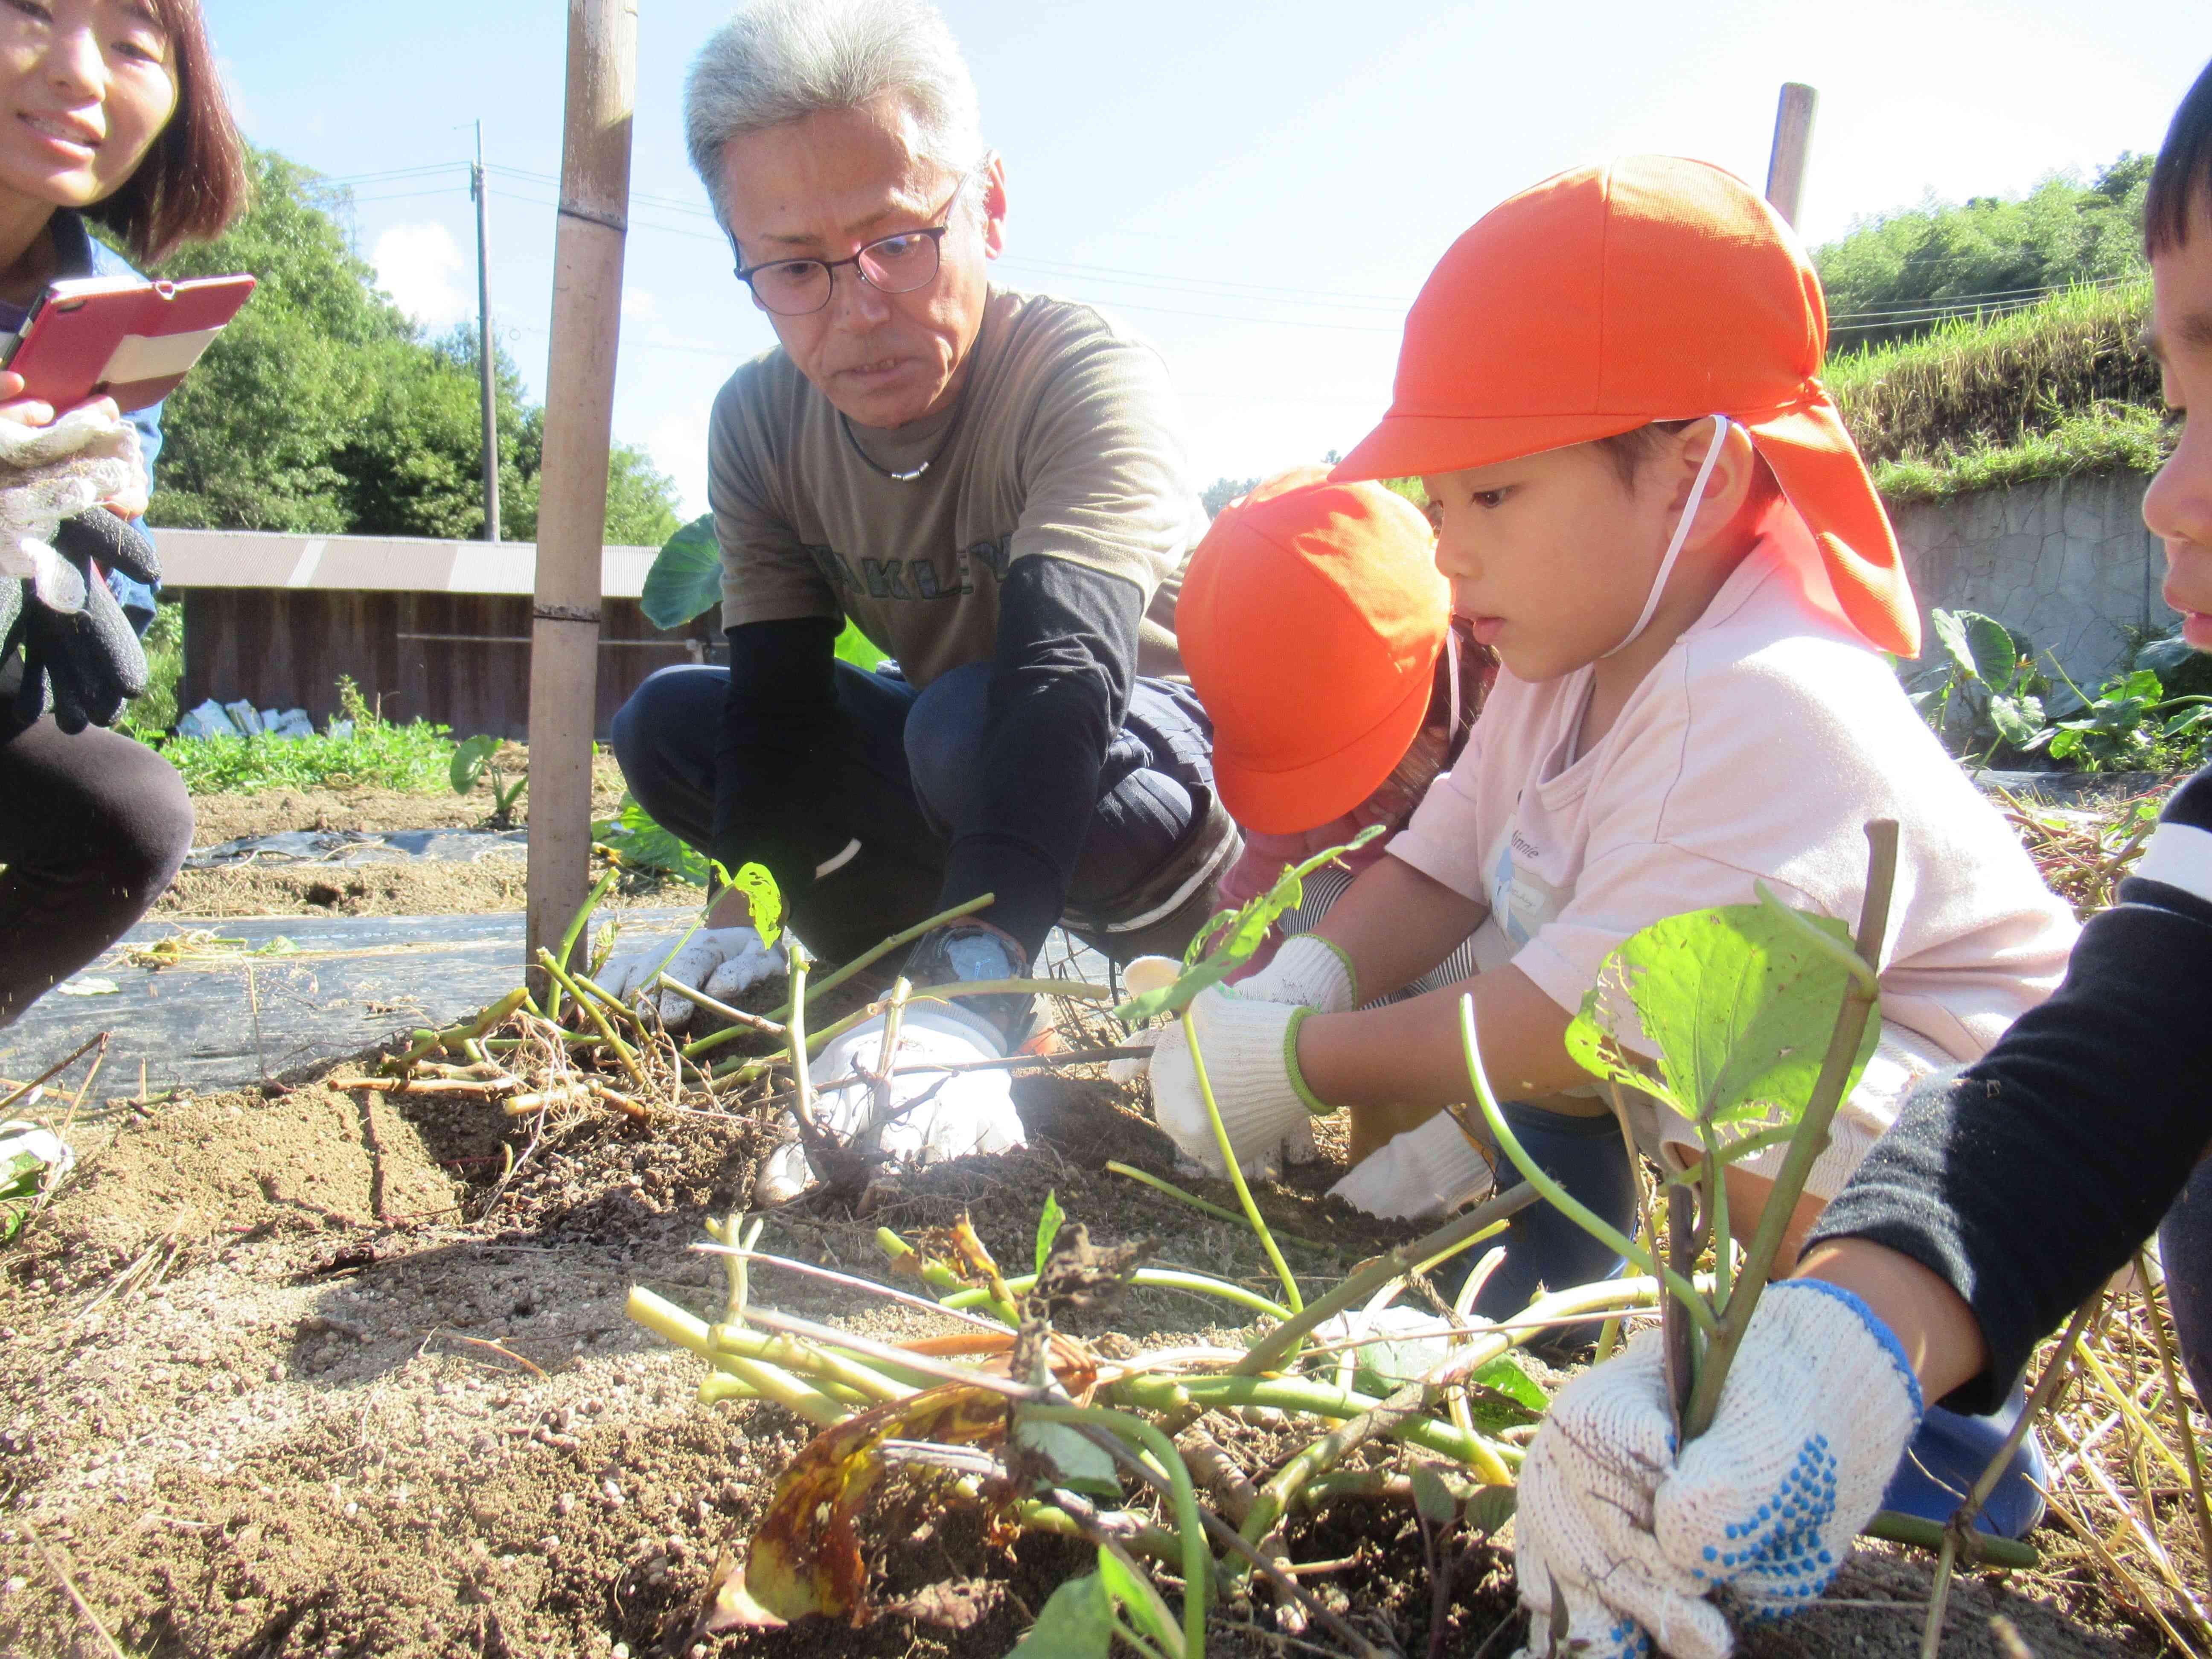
<point>1307,972</point>
<point>49,473</point>
<point>1422,1172</point>
<point>959,1113</point>
<point>1250,1050</point>
<point>1818,1408</point>
<point>722,962</point>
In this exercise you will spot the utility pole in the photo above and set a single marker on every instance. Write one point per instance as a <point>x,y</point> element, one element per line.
<point>1793,143</point>
<point>483,348</point>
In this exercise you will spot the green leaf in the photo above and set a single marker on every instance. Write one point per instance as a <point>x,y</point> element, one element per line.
<point>2017,719</point>
<point>1504,1374</point>
<point>1048,1228</point>
<point>686,578</point>
<point>1080,1462</point>
<point>1241,935</point>
<point>762,898</point>
<point>1077,1622</point>
<point>21,1175</point>
<point>857,648</point>
<point>2142,683</point>
<point>2065,741</point>
<point>2187,720</point>
<point>1433,1499</point>
<point>1141,1604</point>
<point>1996,653</point>
<point>1491,1508</point>
<point>470,759</point>
<point>641,841</point>
<point>1738,1003</point>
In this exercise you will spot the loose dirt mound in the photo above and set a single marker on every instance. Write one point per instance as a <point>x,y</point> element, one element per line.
<point>411,888</point>
<point>334,1374</point>
<point>219,817</point>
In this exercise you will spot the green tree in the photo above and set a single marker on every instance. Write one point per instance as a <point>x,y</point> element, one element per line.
<point>323,410</point>
<point>1894,276</point>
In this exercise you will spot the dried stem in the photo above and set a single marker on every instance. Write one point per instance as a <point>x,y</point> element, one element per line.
<point>1962,1522</point>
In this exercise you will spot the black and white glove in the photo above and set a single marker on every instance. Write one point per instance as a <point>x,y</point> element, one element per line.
<point>83,661</point>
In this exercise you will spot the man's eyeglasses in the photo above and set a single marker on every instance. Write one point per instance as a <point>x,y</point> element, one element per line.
<point>897,264</point>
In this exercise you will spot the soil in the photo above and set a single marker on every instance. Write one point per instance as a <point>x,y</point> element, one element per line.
<point>414,888</point>
<point>340,1373</point>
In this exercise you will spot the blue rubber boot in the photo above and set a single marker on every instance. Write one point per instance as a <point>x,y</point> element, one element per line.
<point>1544,1248</point>
<point>1948,1456</point>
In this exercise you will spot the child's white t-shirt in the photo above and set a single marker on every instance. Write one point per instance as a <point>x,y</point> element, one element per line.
<point>1756,749</point>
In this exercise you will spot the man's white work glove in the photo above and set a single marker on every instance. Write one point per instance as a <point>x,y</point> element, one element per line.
<point>722,962</point>
<point>50,473</point>
<point>1422,1172</point>
<point>953,1113</point>
<point>1818,1408</point>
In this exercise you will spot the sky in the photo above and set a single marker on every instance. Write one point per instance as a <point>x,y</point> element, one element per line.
<point>1258,189</point>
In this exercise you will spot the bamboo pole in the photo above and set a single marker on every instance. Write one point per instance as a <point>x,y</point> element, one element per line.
<point>580,381</point>
<point>1793,145</point>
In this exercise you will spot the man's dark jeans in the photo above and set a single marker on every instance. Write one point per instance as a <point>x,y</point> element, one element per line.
<point>906,778</point>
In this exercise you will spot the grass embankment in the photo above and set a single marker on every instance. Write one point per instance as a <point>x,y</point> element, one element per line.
<point>2063,388</point>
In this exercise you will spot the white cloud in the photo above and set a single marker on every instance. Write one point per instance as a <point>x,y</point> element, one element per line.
<point>638,305</point>
<point>421,267</point>
<point>678,444</point>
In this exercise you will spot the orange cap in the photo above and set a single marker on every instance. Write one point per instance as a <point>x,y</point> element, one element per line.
<point>1311,618</point>
<point>1652,288</point>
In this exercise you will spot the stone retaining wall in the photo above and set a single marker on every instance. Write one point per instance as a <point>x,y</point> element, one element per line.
<point>2066,562</point>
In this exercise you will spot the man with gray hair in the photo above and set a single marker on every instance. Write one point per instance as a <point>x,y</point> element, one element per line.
<point>991,485</point>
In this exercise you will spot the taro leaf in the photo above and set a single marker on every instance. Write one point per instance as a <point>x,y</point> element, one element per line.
<point>805,1557</point>
<point>470,759</point>
<point>1737,1003</point>
<point>1048,1229</point>
<point>1980,648</point>
<point>2167,658</point>
<point>1077,1622</point>
<point>1080,1463</point>
<point>2017,719</point>
<point>857,648</point>
<point>1491,1508</point>
<point>686,578</point>
<point>766,903</point>
<point>1433,1499</point>
<point>637,840</point>
<point>1141,1603</point>
<point>1241,935</point>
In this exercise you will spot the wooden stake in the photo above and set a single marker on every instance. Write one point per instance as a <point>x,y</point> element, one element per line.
<point>1793,143</point>
<point>580,382</point>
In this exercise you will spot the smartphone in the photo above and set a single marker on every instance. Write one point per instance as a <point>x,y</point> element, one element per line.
<point>118,337</point>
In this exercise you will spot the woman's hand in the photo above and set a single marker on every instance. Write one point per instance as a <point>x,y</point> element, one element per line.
<point>24,412</point>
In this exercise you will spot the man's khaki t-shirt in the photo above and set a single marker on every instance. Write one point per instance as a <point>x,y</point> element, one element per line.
<point>1064,443</point>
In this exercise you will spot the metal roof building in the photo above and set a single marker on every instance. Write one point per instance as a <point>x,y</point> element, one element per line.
<point>431,630</point>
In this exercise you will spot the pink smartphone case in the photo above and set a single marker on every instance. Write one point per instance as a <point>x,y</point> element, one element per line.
<point>133,343</point>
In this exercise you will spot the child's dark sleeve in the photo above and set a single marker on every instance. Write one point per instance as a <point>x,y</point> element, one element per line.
<point>2029,1177</point>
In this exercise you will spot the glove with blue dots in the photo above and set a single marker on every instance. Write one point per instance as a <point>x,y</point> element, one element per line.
<point>1818,1408</point>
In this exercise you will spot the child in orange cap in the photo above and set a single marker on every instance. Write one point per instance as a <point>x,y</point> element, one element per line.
<point>1317,631</point>
<point>1648,505</point>
<point>1938,1268</point>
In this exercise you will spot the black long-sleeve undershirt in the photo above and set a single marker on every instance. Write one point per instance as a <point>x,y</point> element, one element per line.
<point>1062,673</point>
<point>1060,680</point>
<point>2029,1178</point>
